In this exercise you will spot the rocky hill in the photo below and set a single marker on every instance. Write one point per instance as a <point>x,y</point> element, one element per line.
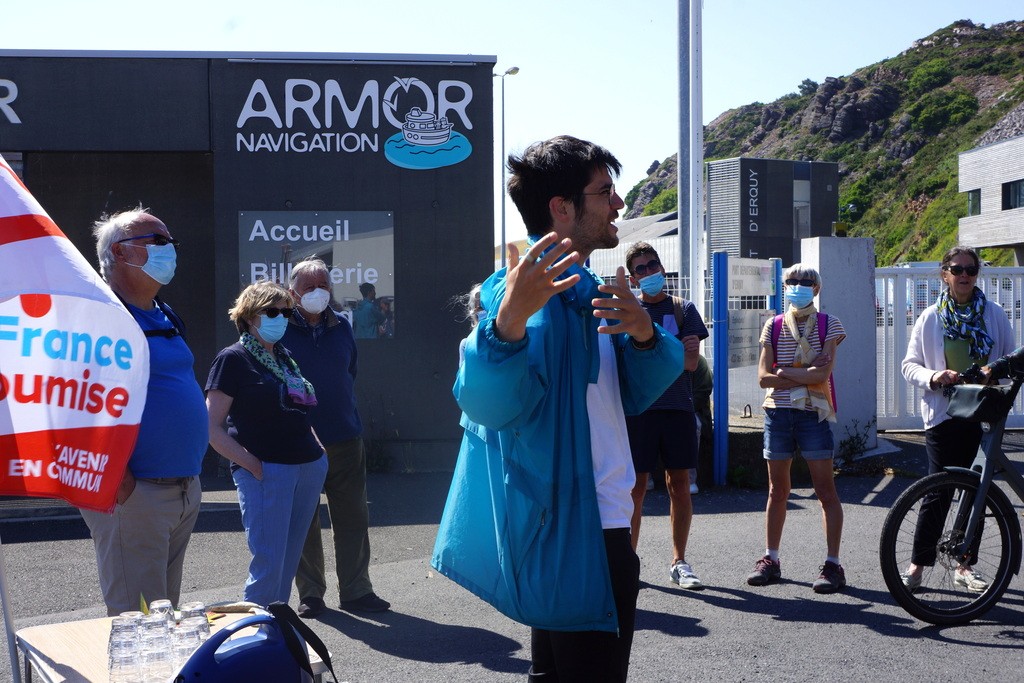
<point>894,127</point>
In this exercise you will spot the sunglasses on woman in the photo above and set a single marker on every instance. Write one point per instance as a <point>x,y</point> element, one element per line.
<point>960,270</point>
<point>272,312</point>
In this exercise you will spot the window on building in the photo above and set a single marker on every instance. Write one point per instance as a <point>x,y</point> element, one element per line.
<point>1013,195</point>
<point>973,202</point>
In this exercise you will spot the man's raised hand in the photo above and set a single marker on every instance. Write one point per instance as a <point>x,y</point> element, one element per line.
<point>624,307</point>
<point>531,281</point>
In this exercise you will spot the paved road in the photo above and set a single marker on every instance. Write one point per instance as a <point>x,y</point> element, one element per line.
<point>729,632</point>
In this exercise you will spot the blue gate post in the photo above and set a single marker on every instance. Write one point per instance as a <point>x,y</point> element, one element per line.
<point>777,299</point>
<point>720,392</point>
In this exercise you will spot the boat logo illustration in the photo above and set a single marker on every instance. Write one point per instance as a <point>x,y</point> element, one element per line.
<point>426,141</point>
<point>423,128</point>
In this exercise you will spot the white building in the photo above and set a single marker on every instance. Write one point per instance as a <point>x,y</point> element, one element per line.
<point>993,178</point>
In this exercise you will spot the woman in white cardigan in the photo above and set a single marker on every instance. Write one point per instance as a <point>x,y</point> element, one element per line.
<point>961,328</point>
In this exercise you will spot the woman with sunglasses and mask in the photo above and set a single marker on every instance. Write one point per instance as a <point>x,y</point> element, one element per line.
<point>961,328</point>
<point>259,404</point>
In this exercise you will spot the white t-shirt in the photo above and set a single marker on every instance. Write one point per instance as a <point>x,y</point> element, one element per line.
<point>609,443</point>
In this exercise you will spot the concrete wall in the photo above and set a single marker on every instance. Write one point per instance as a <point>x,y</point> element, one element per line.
<point>847,268</point>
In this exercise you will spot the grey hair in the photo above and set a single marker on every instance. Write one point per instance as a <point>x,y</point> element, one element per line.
<point>109,228</point>
<point>802,271</point>
<point>312,265</point>
<point>472,303</point>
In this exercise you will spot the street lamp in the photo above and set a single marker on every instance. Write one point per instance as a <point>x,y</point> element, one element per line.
<point>511,71</point>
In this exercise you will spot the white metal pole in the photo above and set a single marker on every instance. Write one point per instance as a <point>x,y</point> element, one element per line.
<point>511,71</point>
<point>696,189</point>
<point>683,166</point>
<point>501,192</point>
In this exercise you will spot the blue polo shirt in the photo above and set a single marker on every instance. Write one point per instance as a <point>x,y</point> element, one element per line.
<point>174,432</point>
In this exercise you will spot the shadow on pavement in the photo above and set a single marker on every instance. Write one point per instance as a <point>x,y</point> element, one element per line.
<point>408,637</point>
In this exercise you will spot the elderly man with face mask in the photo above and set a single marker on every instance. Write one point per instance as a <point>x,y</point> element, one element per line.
<point>140,546</point>
<point>323,345</point>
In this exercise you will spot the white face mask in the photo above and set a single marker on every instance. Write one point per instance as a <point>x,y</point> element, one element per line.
<point>316,301</point>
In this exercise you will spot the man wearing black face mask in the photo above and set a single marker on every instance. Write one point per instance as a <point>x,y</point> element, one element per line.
<point>323,345</point>
<point>668,429</point>
<point>140,547</point>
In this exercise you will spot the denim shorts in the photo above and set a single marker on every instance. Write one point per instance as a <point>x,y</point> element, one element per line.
<point>788,429</point>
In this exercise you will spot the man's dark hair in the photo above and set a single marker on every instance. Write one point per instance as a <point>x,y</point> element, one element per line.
<point>559,167</point>
<point>638,249</point>
<point>366,288</point>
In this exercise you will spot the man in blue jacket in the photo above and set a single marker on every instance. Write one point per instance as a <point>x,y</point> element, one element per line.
<point>537,518</point>
<point>321,342</point>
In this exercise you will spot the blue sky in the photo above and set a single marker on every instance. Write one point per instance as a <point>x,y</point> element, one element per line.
<point>602,69</point>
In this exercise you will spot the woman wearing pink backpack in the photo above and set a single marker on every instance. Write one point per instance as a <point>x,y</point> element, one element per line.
<point>798,352</point>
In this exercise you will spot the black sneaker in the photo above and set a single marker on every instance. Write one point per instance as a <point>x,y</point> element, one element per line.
<point>370,602</point>
<point>832,578</point>
<point>765,571</point>
<point>311,607</point>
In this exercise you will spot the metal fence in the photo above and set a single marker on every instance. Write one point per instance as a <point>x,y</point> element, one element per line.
<point>901,295</point>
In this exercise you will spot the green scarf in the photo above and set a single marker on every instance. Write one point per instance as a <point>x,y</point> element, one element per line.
<point>284,368</point>
<point>965,322</point>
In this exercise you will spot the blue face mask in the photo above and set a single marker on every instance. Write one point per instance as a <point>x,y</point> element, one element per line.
<point>652,284</point>
<point>799,295</point>
<point>272,329</point>
<point>160,262</point>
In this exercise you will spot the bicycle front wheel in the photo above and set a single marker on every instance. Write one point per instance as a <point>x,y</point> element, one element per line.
<point>917,527</point>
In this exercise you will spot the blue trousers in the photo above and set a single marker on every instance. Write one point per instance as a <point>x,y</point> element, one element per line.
<point>276,513</point>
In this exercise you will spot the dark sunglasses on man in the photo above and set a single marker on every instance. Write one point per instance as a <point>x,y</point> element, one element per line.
<point>644,269</point>
<point>158,239</point>
<point>971,271</point>
<point>805,282</point>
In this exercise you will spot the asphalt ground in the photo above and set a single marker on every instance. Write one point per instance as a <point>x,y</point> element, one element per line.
<point>436,631</point>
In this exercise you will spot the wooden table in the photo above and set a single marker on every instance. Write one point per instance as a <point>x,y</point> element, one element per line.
<point>76,651</point>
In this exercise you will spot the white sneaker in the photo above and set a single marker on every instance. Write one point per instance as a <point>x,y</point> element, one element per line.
<point>682,574</point>
<point>693,489</point>
<point>971,580</point>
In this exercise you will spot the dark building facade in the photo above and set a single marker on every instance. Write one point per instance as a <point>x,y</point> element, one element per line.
<point>379,164</point>
<point>762,208</point>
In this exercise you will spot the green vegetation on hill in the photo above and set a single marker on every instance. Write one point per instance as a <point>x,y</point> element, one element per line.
<point>895,128</point>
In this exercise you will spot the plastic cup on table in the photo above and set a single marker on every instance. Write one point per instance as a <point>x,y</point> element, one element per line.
<point>185,638</point>
<point>201,623</point>
<point>163,607</point>
<point>193,609</point>
<point>157,663</point>
<point>125,666</point>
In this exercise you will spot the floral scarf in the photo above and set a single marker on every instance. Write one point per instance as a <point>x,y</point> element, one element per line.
<point>816,397</point>
<point>965,322</point>
<point>284,367</point>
